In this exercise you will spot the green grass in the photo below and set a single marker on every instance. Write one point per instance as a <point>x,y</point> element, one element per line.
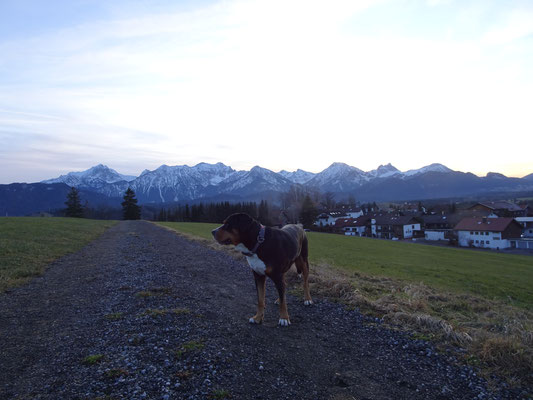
<point>28,245</point>
<point>199,229</point>
<point>93,359</point>
<point>488,274</point>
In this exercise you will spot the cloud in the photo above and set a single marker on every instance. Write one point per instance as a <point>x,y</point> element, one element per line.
<point>246,82</point>
<point>517,24</point>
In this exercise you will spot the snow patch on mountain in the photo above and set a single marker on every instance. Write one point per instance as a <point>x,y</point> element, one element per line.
<point>428,168</point>
<point>299,176</point>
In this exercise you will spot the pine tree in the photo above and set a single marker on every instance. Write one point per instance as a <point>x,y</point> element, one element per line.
<point>73,203</point>
<point>308,213</point>
<point>130,209</point>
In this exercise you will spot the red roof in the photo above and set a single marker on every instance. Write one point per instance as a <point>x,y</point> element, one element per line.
<point>484,224</point>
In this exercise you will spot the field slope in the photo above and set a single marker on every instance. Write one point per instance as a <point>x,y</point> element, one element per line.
<point>488,274</point>
<point>28,245</point>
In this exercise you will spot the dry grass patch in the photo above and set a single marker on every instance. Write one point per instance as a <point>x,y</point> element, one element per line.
<point>499,337</point>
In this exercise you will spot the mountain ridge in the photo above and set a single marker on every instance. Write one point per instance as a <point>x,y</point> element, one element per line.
<point>217,182</point>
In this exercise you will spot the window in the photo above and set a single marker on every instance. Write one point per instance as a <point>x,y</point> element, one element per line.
<point>486,234</point>
<point>471,233</point>
<point>488,241</point>
<point>477,233</point>
<point>477,241</point>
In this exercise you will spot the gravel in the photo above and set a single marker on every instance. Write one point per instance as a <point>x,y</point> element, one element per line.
<point>166,318</point>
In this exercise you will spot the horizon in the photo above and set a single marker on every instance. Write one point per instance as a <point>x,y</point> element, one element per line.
<point>136,175</point>
<point>284,85</point>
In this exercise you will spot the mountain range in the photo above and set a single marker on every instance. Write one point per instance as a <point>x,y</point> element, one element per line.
<point>215,182</point>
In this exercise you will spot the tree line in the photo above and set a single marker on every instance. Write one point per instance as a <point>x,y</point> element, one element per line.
<point>297,206</point>
<point>215,212</point>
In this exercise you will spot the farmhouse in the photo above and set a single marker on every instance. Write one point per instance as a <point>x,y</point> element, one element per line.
<point>393,226</point>
<point>354,226</point>
<point>492,233</point>
<point>325,219</point>
<point>500,208</point>
<point>437,227</point>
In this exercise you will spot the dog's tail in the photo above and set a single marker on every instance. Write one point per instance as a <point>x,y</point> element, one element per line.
<point>304,252</point>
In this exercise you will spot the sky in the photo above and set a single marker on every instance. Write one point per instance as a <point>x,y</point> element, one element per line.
<point>135,84</point>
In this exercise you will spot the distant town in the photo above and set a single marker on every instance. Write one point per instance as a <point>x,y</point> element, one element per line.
<point>497,225</point>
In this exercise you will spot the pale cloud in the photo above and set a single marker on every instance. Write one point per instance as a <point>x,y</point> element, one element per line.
<point>517,24</point>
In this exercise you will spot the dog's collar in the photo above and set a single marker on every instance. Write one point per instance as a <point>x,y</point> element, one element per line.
<point>260,239</point>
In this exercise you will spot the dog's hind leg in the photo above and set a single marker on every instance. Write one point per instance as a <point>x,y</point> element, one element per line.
<point>260,281</point>
<point>302,264</point>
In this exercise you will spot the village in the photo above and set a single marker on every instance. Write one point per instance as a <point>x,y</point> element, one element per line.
<point>497,225</point>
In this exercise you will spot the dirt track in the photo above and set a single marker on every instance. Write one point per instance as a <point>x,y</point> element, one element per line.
<point>169,316</point>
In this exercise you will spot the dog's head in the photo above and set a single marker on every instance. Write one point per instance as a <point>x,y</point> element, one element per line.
<point>233,229</point>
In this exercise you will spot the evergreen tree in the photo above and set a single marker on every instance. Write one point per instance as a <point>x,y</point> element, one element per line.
<point>73,203</point>
<point>130,209</point>
<point>263,213</point>
<point>308,213</point>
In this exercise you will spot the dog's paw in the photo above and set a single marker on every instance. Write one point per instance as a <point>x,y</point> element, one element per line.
<point>308,302</point>
<point>252,320</point>
<point>284,322</point>
<point>299,276</point>
<point>277,301</point>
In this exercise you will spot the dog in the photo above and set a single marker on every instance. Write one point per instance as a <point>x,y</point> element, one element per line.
<point>269,252</point>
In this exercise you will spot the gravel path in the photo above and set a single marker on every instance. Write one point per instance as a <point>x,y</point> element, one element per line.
<point>166,318</point>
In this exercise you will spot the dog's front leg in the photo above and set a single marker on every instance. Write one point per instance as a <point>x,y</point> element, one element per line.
<point>279,281</point>
<point>260,281</point>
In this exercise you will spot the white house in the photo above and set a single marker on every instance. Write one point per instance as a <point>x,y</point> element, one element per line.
<point>325,219</point>
<point>492,233</point>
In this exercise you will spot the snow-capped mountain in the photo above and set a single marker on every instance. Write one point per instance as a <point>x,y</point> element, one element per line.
<point>214,182</point>
<point>257,180</point>
<point>384,171</point>
<point>95,177</point>
<point>174,183</point>
<point>299,176</point>
<point>338,177</point>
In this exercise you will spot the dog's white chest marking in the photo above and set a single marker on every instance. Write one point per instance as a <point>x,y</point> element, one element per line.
<point>254,262</point>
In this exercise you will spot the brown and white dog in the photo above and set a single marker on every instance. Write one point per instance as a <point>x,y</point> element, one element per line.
<point>270,252</point>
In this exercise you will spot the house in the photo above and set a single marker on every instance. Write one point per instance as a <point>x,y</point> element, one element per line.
<point>437,227</point>
<point>354,226</point>
<point>325,219</point>
<point>354,213</point>
<point>501,208</point>
<point>527,226</point>
<point>492,233</point>
<point>393,226</point>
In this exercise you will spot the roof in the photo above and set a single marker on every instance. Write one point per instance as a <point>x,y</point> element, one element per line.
<point>484,224</point>
<point>435,219</point>
<point>344,222</point>
<point>396,220</point>
<point>500,205</point>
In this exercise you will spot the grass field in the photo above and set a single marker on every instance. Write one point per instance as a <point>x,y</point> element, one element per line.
<point>488,274</point>
<point>28,245</point>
